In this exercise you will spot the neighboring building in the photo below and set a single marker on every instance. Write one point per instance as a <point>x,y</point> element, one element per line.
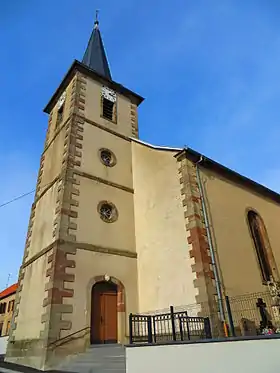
<point>118,225</point>
<point>7,302</point>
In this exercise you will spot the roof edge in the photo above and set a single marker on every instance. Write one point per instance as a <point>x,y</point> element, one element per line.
<point>229,174</point>
<point>79,66</point>
<point>8,291</point>
<point>156,147</point>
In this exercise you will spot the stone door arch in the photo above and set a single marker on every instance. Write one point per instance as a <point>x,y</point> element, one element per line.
<point>119,303</point>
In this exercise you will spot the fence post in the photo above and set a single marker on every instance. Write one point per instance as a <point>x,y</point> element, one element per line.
<point>188,327</point>
<point>155,329</point>
<point>181,328</point>
<point>230,319</point>
<point>130,329</point>
<point>207,328</point>
<point>150,332</point>
<point>173,323</point>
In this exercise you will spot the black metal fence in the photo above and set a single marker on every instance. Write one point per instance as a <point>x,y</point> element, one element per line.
<point>252,314</point>
<point>245,315</point>
<point>166,327</point>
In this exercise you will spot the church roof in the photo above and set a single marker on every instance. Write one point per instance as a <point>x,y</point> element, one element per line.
<point>227,173</point>
<point>95,56</point>
<point>216,167</point>
<point>78,66</point>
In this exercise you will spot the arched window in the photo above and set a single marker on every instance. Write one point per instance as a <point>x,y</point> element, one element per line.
<point>261,243</point>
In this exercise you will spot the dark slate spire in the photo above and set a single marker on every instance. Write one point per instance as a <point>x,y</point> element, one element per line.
<point>95,56</point>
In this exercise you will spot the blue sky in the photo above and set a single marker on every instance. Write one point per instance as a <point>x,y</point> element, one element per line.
<point>209,70</point>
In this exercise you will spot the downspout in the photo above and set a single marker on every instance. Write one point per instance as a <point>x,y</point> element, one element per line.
<point>211,248</point>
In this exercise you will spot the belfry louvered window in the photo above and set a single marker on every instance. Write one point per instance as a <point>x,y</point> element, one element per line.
<point>109,104</point>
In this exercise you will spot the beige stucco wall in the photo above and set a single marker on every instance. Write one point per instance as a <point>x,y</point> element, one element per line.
<point>31,302</point>
<point>89,265</point>
<point>238,261</point>
<point>7,316</point>
<point>91,229</point>
<point>95,139</point>
<point>42,230</point>
<point>164,265</point>
<point>51,165</point>
<point>53,160</point>
<point>93,109</point>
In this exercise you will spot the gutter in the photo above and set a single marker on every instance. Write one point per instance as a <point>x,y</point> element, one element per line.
<point>211,247</point>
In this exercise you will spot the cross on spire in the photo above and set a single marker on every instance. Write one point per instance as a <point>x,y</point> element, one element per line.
<point>96,23</point>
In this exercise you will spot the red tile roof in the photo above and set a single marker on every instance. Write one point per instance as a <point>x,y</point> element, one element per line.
<point>9,291</point>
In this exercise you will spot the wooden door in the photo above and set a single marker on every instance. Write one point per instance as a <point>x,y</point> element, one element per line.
<point>104,313</point>
<point>109,317</point>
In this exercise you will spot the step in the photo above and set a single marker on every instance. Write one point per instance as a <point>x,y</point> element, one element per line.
<point>101,356</point>
<point>106,345</point>
<point>109,358</point>
<point>95,362</point>
<point>4,370</point>
<point>74,367</point>
<point>94,369</point>
<point>103,360</point>
<point>84,365</point>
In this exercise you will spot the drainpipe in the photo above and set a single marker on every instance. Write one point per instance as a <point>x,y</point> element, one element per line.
<point>211,248</point>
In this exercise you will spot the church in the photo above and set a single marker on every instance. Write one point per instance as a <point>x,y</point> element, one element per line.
<point>120,226</point>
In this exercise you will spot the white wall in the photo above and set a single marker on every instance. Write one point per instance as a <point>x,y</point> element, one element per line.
<point>256,356</point>
<point>3,345</point>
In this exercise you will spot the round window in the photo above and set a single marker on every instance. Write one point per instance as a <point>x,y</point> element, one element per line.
<point>107,211</point>
<point>107,157</point>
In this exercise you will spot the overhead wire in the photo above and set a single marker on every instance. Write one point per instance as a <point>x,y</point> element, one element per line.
<point>21,196</point>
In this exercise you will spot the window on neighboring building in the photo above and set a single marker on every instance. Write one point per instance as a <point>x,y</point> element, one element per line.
<point>11,306</point>
<point>8,327</point>
<point>260,239</point>
<point>1,328</point>
<point>3,307</point>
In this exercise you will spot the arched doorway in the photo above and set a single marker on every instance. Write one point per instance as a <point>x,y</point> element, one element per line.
<point>104,320</point>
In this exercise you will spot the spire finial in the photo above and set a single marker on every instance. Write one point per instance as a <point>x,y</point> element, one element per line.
<point>96,23</point>
<point>95,56</point>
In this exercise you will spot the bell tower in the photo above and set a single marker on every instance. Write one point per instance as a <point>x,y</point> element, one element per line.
<point>78,279</point>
